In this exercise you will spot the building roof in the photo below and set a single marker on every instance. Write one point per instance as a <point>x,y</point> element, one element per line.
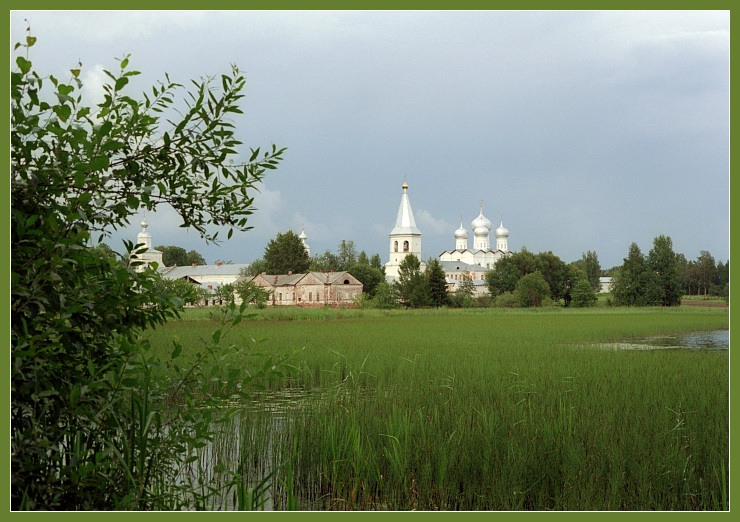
<point>202,272</point>
<point>459,266</point>
<point>405,222</point>
<point>327,278</point>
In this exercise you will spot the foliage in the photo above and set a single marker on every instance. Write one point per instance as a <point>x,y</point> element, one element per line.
<point>636,284</point>
<point>663,262</point>
<point>463,297</point>
<point>506,300</point>
<point>251,293</point>
<point>177,256</point>
<point>346,255</point>
<point>386,297</point>
<point>583,294</point>
<point>370,277</point>
<point>504,275</point>
<point>326,262</point>
<point>286,254</point>
<point>180,289</point>
<point>437,283</point>
<point>589,264</point>
<point>508,271</point>
<point>532,290</point>
<point>556,272</point>
<point>256,267</point>
<point>412,287</point>
<point>85,429</point>
<point>654,280</point>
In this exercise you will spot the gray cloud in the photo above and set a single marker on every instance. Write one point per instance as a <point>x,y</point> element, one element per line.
<point>586,130</point>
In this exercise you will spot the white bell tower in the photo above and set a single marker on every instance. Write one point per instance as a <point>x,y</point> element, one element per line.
<point>405,238</point>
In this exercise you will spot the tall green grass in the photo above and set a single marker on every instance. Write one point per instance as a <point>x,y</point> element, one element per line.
<point>488,410</point>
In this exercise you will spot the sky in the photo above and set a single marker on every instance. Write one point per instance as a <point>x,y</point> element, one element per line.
<point>581,130</point>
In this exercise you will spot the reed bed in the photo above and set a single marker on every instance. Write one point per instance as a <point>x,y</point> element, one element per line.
<point>483,410</point>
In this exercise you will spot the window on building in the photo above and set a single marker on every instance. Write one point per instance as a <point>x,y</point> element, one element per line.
<point>395,246</point>
<point>405,246</point>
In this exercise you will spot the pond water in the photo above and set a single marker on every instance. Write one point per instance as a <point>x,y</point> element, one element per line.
<point>702,340</point>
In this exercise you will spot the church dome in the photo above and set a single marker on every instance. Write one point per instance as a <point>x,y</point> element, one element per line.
<point>481,222</point>
<point>461,233</point>
<point>501,231</point>
<point>481,231</point>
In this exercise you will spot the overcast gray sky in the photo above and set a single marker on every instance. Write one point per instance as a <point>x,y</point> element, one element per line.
<point>584,130</point>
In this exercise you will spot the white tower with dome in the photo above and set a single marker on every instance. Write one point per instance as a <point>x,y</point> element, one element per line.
<point>145,252</point>
<point>303,238</point>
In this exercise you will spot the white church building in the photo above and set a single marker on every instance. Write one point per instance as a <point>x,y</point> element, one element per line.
<point>461,264</point>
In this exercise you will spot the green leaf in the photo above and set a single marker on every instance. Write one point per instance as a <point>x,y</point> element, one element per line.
<point>65,89</point>
<point>104,129</point>
<point>121,83</point>
<point>23,64</point>
<point>99,163</point>
<point>63,112</point>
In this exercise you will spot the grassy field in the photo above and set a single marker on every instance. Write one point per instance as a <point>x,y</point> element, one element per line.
<point>480,409</point>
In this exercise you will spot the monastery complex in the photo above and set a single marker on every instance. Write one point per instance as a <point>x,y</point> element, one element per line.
<point>462,263</point>
<point>341,288</point>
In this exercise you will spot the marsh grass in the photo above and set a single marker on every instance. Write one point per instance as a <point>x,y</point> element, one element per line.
<point>484,410</point>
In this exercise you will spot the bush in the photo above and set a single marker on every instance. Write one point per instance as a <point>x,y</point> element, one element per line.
<point>532,290</point>
<point>583,294</point>
<point>506,300</point>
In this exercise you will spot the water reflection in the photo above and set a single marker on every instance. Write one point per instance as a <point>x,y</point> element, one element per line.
<point>702,340</point>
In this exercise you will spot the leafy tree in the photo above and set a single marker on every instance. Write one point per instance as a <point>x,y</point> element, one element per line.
<point>706,272</point>
<point>589,264</point>
<point>463,296</point>
<point>80,378</point>
<point>224,293</point>
<point>524,260</point>
<point>104,251</point>
<point>180,289</point>
<point>583,294</point>
<point>251,293</point>
<point>285,254</point>
<point>723,280</point>
<point>326,262</point>
<point>173,255</point>
<point>412,287</point>
<point>194,258</point>
<point>256,267</point>
<point>362,259</point>
<point>504,276</point>
<point>369,277</point>
<point>636,284</point>
<point>532,290</point>
<point>662,261</point>
<point>346,255</point>
<point>375,262</point>
<point>555,272</point>
<point>385,296</point>
<point>437,283</point>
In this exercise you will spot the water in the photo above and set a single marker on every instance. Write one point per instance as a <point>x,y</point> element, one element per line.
<point>702,340</point>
